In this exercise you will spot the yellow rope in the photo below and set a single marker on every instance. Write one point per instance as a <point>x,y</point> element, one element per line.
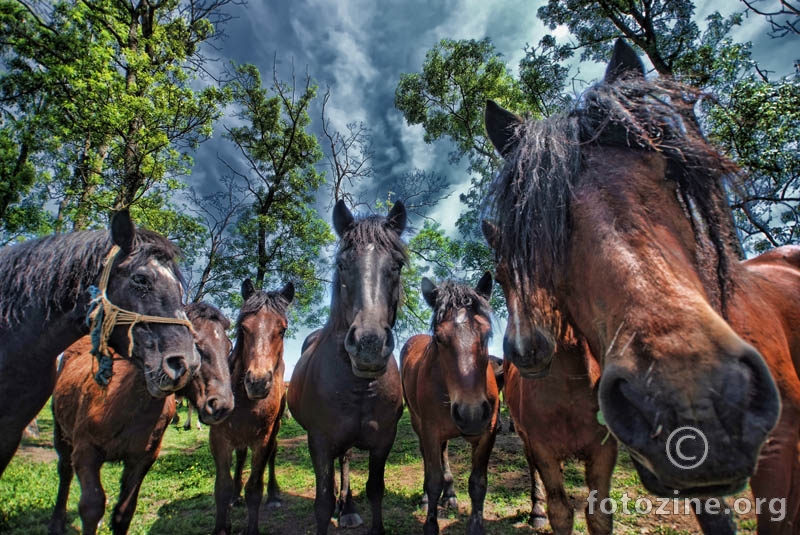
<point>114,315</point>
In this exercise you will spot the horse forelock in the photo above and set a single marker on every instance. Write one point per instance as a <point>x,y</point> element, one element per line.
<point>206,311</point>
<point>453,296</point>
<point>54,272</point>
<point>529,201</point>
<point>274,302</point>
<point>373,230</point>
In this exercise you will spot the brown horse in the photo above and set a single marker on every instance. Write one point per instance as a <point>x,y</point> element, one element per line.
<point>450,391</point>
<point>123,422</point>
<point>44,299</point>
<point>556,418</point>
<point>615,216</point>
<point>257,377</point>
<point>346,386</point>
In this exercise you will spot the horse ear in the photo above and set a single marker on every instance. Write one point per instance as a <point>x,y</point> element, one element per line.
<point>397,217</point>
<point>624,61</point>
<point>491,233</point>
<point>342,217</point>
<point>501,126</point>
<point>248,289</point>
<point>287,292</point>
<point>429,292</point>
<point>484,286</point>
<point>123,231</point>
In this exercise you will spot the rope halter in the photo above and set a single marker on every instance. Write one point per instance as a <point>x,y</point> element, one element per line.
<point>103,316</point>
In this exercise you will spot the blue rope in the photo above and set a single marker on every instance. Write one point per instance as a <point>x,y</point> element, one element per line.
<point>94,319</point>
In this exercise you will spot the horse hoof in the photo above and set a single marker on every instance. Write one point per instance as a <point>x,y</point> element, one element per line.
<point>475,527</point>
<point>377,531</point>
<point>274,503</point>
<point>430,528</point>
<point>537,522</point>
<point>450,503</point>
<point>351,520</point>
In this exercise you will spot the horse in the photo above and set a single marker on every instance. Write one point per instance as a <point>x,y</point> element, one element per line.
<point>613,217</point>
<point>258,388</point>
<point>556,418</point>
<point>44,300</point>
<point>450,391</point>
<point>346,386</point>
<point>124,422</point>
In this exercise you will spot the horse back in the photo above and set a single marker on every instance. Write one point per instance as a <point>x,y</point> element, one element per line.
<point>768,311</point>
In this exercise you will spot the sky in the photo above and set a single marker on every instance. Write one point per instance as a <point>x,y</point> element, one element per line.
<point>359,48</point>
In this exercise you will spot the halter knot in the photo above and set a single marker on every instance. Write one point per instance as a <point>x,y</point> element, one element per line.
<point>103,316</point>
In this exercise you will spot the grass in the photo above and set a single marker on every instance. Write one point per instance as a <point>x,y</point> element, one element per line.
<point>177,494</point>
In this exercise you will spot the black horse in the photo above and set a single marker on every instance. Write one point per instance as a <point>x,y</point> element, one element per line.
<point>44,300</point>
<point>346,387</point>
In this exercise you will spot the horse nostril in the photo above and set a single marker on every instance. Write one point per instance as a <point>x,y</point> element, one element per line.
<point>175,367</point>
<point>212,404</point>
<point>486,410</point>
<point>350,341</point>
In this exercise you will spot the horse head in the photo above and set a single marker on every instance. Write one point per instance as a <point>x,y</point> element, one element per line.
<point>367,285</point>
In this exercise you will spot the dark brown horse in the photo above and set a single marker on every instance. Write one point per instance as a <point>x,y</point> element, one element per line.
<point>257,377</point>
<point>44,299</point>
<point>615,216</point>
<point>346,386</point>
<point>450,391</point>
<point>123,422</point>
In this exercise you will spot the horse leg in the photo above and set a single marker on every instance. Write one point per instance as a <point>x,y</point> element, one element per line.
<point>449,499</point>
<point>324,500</point>
<point>538,518</point>
<point>433,483</point>
<point>254,489</point>
<point>481,450</point>
<point>559,510</point>
<point>273,490</point>
<point>599,467</point>
<point>776,482</point>
<point>376,486</point>
<point>187,425</point>
<point>720,523</point>
<point>92,504</point>
<point>58,521</point>
<point>223,484</point>
<point>348,516</point>
<point>132,475</point>
<point>241,457</point>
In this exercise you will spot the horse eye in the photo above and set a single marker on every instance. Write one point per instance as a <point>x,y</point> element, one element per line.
<point>139,279</point>
<point>283,332</point>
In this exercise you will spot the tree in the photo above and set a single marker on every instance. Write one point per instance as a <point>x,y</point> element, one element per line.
<point>753,119</point>
<point>106,92</point>
<point>279,235</point>
<point>218,212</point>
<point>663,29</point>
<point>784,20</point>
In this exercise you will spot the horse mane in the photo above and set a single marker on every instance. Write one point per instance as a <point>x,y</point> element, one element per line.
<point>530,199</point>
<point>273,301</point>
<point>55,271</point>
<point>451,295</point>
<point>206,311</point>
